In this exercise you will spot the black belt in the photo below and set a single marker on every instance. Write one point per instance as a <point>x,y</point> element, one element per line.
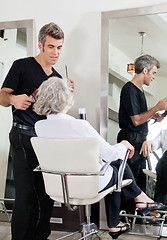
<point>24,127</point>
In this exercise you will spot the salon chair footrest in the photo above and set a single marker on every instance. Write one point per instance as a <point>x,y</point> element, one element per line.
<point>129,215</point>
<point>145,225</point>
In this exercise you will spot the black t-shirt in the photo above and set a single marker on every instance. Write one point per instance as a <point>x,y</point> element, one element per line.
<point>132,102</point>
<point>24,77</point>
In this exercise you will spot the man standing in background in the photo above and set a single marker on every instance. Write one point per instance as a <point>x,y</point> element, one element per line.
<point>133,113</point>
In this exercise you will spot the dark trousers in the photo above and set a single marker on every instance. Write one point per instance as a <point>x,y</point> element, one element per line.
<point>137,163</point>
<point>161,184</point>
<point>113,201</point>
<point>32,207</point>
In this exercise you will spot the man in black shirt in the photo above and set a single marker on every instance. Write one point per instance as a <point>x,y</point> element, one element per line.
<point>133,113</point>
<point>33,207</point>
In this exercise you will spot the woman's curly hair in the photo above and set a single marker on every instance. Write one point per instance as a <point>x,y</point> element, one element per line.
<point>54,95</point>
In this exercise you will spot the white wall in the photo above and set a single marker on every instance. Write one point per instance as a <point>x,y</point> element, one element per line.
<point>81,22</point>
<point>118,62</point>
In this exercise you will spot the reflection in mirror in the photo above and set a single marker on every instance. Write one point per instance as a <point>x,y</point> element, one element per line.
<point>124,46</point>
<point>121,44</point>
<point>16,41</point>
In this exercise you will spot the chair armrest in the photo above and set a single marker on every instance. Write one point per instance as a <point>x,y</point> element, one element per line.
<point>156,155</point>
<point>7,199</point>
<point>149,162</point>
<point>121,171</point>
<point>64,181</point>
<point>100,173</point>
<point>104,168</point>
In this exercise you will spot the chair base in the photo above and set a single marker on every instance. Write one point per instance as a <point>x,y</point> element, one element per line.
<point>135,216</point>
<point>87,231</point>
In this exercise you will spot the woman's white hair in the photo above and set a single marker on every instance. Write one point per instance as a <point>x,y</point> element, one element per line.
<point>54,96</point>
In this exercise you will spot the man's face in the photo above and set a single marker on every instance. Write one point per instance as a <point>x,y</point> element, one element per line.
<point>149,76</point>
<point>51,50</point>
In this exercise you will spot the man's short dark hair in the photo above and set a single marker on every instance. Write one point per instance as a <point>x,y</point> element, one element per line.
<point>52,30</point>
<point>145,61</point>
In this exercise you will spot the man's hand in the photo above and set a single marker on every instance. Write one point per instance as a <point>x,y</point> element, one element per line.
<point>158,117</point>
<point>21,102</point>
<point>146,148</point>
<point>162,104</point>
<point>129,147</point>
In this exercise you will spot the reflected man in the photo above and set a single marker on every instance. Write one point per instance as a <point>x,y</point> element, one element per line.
<point>133,113</point>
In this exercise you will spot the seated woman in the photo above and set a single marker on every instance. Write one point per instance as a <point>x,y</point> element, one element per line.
<point>54,99</point>
<point>161,168</point>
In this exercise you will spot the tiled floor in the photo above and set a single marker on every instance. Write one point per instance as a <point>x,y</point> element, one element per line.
<point>5,234</point>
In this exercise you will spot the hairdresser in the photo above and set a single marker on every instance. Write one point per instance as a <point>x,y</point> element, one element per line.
<point>32,207</point>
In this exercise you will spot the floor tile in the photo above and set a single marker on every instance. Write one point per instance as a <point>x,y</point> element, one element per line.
<point>5,234</point>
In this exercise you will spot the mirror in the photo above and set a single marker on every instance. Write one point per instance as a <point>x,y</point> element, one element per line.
<point>16,41</point>
<point>125,44</point>
<point>120,46</point>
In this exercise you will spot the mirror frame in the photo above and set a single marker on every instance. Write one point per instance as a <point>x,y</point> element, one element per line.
<point>105,17</point>
<point>30,29</point>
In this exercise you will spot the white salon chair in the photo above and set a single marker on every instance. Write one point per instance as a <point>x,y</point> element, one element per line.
<point>71,174</point>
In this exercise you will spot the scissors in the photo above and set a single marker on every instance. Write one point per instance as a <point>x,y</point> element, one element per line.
<point>163,115</point>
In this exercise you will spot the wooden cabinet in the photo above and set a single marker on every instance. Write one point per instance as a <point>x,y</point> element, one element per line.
<point>65,220</point>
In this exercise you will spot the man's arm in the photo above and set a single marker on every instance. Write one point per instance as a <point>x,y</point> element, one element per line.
<point>5,97</point>
<point>21,102</point>
<point>143,117</point>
